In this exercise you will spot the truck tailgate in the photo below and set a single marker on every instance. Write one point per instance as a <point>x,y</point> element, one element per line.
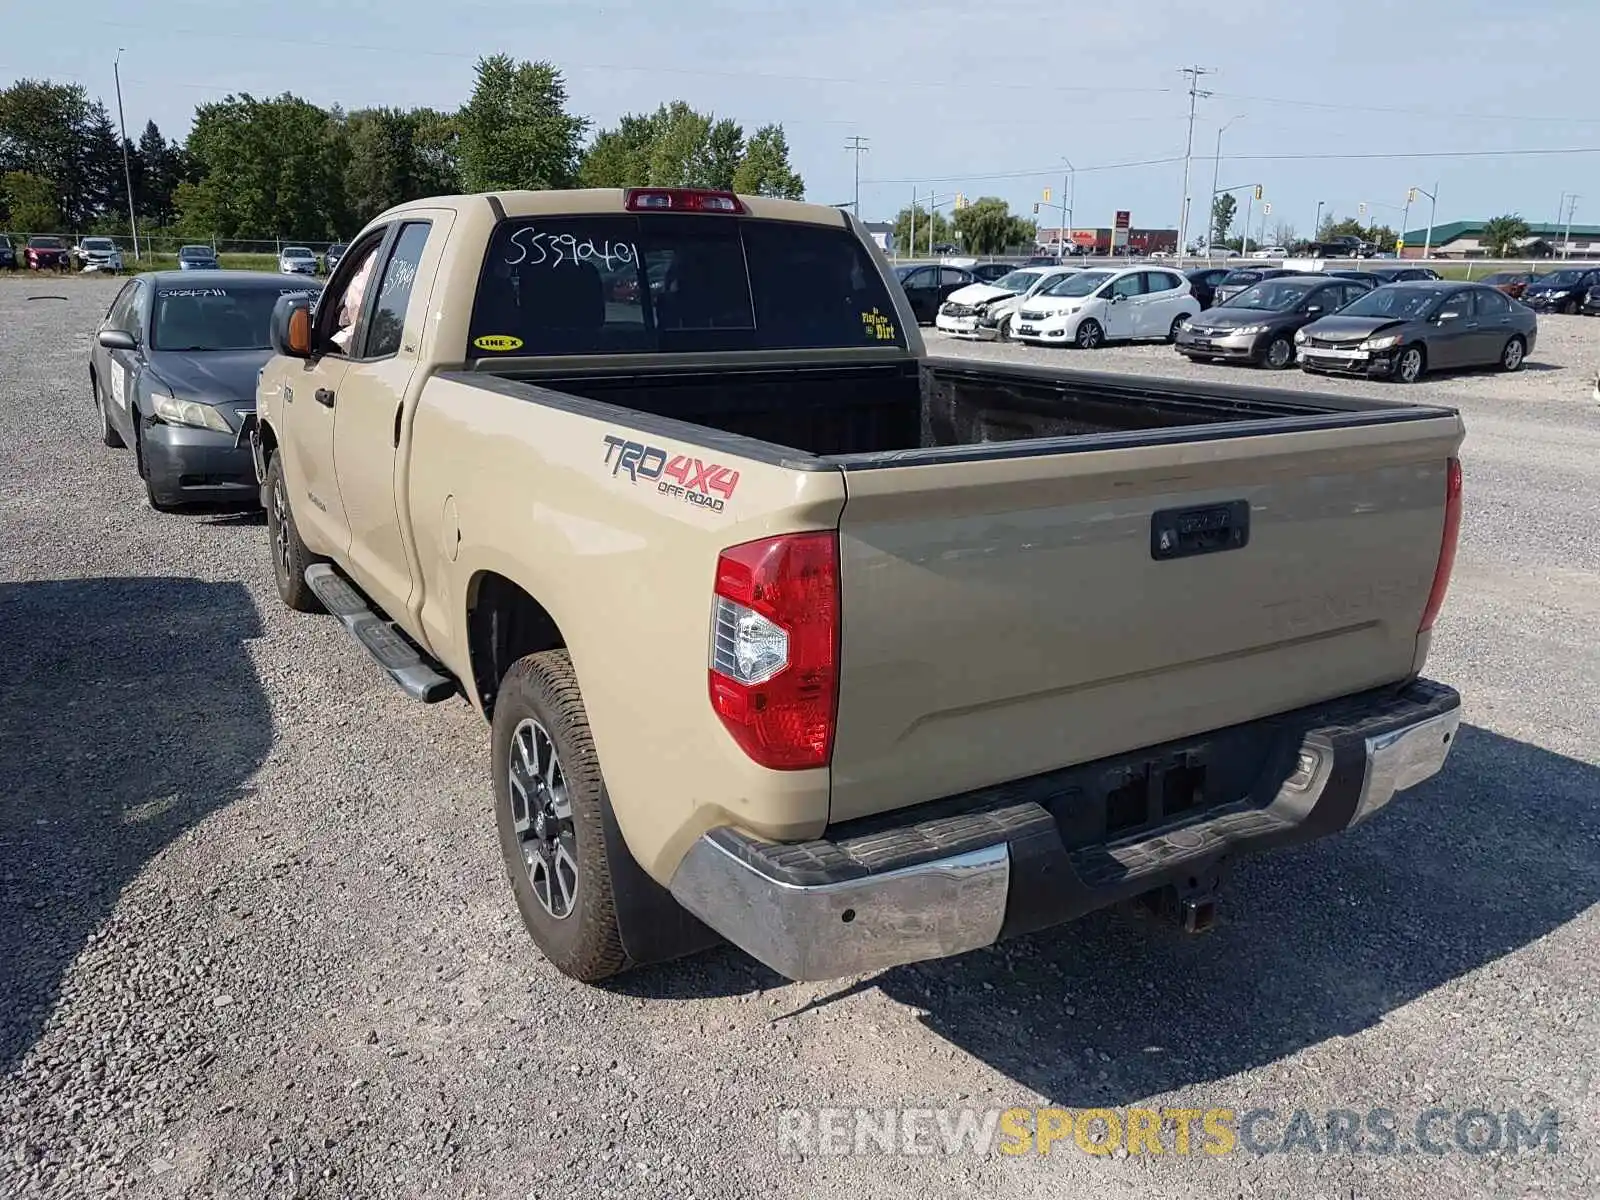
<point>1005,616</point>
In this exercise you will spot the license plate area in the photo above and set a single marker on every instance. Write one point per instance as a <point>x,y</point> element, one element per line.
<point>1186,532</point>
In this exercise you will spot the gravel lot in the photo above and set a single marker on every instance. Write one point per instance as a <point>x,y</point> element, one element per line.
<point>255,939</point>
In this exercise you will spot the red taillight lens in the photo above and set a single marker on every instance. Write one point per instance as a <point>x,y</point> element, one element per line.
<point>682,200</point>
<point>775,648</point>
<point>1447,546</point>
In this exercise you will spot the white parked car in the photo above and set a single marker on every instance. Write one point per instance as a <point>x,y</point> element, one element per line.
<point>1105,304</point>
<point>1215,252</point>
<point>985,310</point>
<point>297,260</point>
<point>98,254</point>
<point>1270,252</point>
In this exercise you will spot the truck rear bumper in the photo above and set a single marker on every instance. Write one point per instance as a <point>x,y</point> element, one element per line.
<point>963,873</point>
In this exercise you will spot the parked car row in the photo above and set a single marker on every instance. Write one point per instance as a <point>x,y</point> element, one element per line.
<point>1351,325</point>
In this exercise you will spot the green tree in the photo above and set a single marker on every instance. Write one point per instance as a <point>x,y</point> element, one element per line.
<point>28,203</point>
<point>159,167</point>
<point>620,157</point>
<point>725,154</point>
<point>765,170</point>
<point>1503,235</point>
<point>1223,209</point>
<point>515,131</point>
<point>987,226</point>
<point>55,132</point>
<point>270,168</point>
<point>904,225</point>
<point>680,153</point>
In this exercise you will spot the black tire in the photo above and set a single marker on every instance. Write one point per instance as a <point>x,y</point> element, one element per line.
<point>1514,354</point>
<point>1003,333</point>
<point>1570,307</point>
<point>1410,364</point>
<point>108,432</point>
<point>1090,335</point>
<point>1172,330</point>
<point>290,558</point>
<point>1279,355</point>
<point>584,942</point>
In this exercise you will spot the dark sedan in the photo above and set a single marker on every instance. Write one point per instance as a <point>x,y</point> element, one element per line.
<point>1236,280</point>
<point>330,260</point>
<point>1258,325</point>
<point>1561,290</point>
<point>173,373</point>
<point>1591,302</point>
<point>1405,329</point>
<point>1383,275</point>
<point>990,271</point>
<point>928,285</point>
<point>198,258</point>
<point>8,253</point>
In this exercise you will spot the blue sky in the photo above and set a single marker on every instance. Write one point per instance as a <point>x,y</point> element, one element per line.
<point>985,97</point>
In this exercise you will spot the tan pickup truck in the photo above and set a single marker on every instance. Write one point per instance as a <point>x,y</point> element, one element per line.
<point>792,634</point>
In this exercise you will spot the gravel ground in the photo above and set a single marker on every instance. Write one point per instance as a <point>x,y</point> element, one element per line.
<point>255,939</point>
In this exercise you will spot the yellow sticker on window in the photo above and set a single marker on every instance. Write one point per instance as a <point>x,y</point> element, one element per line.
<point>497,341</point>
<point>877,326</point>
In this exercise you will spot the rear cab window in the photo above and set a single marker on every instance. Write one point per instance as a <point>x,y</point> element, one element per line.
<point>665,283</point>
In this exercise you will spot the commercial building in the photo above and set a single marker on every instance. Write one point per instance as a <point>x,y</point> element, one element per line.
<point>1098,241</point>
<point>1464,239</point>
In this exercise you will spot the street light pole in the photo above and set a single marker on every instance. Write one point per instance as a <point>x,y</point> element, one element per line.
<point>1433,208</point>
<point>1068,182</point>
<point>1566,239</point>
<point>1316,229</point>
<point>857,145</point>
<point>1216,169</point>
<point>127,171</point>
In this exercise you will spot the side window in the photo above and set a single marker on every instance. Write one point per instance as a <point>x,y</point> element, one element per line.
<point>1492,304</point>
<point>340,304</point>
<point>1128,285</point>
<point>138,315</point>
<point>394,291</point>
<point>950,277</point>
<point>922,277</point>
<point>117,314</point>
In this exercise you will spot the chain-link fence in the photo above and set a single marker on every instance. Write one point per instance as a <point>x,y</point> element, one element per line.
<point>161,249</point>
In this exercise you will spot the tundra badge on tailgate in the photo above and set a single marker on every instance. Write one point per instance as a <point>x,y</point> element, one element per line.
<point>676,475</point>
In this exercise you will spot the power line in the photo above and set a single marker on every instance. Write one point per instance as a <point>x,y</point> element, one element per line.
<point>1404,112</point>
<point>857,145</point>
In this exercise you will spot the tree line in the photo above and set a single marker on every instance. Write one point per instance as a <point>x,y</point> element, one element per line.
<point>265,168</point>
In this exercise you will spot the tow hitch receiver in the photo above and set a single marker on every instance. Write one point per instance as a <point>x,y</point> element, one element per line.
<point>1191,903</point>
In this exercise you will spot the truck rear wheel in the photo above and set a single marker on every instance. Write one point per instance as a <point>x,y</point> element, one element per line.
<point>290,558</point>
<point>548,800</point>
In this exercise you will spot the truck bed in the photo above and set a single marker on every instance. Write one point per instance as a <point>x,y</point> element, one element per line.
<point>868,415</point>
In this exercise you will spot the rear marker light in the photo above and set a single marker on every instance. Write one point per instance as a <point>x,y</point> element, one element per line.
<point>1447,545</point>
<point>774,648</point>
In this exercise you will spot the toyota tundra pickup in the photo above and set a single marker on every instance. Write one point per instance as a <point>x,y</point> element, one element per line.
<point>791,635</point>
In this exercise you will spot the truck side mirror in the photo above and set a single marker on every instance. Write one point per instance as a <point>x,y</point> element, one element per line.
<point>291,326</point>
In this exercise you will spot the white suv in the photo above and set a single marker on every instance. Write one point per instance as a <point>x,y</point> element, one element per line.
<point>1107,304</point>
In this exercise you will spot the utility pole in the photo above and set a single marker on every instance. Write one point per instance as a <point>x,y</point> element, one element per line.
<point>1433,209</point>
<point>1566,240</point>
<point>857,145</point>
<point>1316,229</point>
<point>1194,74</point>
<point>127,171</point>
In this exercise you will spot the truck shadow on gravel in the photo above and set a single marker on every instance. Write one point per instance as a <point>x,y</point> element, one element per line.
<point>1316,942</point>
<point>129,711</point>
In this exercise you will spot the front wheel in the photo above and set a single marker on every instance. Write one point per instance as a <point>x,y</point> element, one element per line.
<point>290,557</point>
<point>1177,324</point>
<point>1090,335</point>
<point>1409,367</point>
<point>549,812</point>
<point>1003,333</point>
<point>1570,307</point>
<point>1514,355</point>
<point>1280,354</point>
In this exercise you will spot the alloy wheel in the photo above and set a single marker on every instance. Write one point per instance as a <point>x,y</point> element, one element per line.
<point>541,813</point>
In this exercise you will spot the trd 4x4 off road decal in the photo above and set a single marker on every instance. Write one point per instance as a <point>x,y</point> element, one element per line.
<point>703,484</point>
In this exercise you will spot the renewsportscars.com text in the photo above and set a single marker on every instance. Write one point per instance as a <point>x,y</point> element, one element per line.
<point>1178,1131</point>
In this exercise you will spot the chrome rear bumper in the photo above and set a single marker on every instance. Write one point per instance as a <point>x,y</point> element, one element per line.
<point>942,886</point>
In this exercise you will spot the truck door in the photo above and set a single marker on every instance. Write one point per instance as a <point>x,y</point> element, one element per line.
<point>311,395</point>
<point>367,422</point>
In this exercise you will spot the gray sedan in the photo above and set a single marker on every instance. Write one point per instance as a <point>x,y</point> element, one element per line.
<point>1402,330</point>
<point>173,372</point>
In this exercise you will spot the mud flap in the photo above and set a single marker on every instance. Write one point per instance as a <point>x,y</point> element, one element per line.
<point>653,926</point>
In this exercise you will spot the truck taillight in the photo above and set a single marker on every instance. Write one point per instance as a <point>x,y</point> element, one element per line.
<point>681,200</point>
<point>1447,546</point>
<point>775,648</point>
